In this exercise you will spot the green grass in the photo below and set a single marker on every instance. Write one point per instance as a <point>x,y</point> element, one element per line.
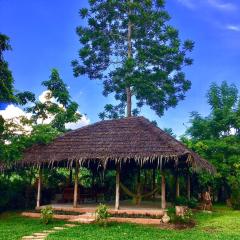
<point>223,224</point>
<point>14,226</point>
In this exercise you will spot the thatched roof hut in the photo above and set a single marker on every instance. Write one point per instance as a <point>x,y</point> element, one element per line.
<point>129,140</point>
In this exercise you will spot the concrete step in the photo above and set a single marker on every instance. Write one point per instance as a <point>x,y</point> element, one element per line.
<point>84,218</point>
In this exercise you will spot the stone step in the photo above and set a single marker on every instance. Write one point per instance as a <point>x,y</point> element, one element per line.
<point>49,231</point>
<point>33,237</point>
<point>59,228</point>
<point>83,220</point>
<point>40,234</point>
<point>70,225</point>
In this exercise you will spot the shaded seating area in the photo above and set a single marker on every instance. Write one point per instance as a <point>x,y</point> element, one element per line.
<point>126,147</point>
<point>84,194</point>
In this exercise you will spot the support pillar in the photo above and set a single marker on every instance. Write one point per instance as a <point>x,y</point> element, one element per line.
<point>153,181</point>
<point>163,192</point>
<point>117,187</point>
<point>177,186</point>
<point>75,196</point>
<point>39,187</point>
<point>70,177</point>
<point>188,186</point>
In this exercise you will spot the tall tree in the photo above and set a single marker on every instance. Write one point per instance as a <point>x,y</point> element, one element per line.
<point>130,45</point>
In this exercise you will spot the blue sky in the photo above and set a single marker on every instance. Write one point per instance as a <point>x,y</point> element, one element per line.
<point>43,37</point>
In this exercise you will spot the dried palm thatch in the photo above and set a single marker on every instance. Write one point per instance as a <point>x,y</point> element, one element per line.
<point>116,141</point>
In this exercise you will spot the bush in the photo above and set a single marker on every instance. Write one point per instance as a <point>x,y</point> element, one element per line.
<point>186,218</point>
<point>182,201</point>
<point>102,214</point>
<point>47,214</point>
<point>16,193</point>
<point>192,203</point>
<point>235,200</point>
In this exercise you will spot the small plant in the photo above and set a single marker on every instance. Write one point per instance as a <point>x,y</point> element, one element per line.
<point>47,214</point>
<point>186,218</point>
<point>102,214</point>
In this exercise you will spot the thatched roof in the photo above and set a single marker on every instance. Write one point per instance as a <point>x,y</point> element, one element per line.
<point>119,141</point>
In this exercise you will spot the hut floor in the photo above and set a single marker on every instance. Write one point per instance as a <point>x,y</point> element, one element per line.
<point>127,208</point>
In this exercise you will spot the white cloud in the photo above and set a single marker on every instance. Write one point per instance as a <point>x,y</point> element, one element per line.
<point>235,28</point>
<point>218,4</point>
<point>12,112</point>
<point>14,115</point>
<point>80,123</point>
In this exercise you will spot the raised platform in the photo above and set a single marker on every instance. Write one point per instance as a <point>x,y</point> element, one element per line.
<point>126,209</point>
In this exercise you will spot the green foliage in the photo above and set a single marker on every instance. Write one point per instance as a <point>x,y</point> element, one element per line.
<point>58,88</point>
<point>170,132</point>
<point>62,109</point>
<point>186,218</point>
<point>6,78</point>
<point>47,214</point>
<point>183,201</point>
<point>235,199</point>
<point>192,203</point>
<point>16,190</point>
<point>129,45</point>
<point>102,214</point>
<point>217,138</point>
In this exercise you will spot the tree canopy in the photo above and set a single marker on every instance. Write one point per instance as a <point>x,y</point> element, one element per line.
<point>131,46</point>
<point>217,137</point>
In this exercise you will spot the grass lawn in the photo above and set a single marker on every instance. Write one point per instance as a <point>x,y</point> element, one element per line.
<point>223,224</point>
<point>14,226</point>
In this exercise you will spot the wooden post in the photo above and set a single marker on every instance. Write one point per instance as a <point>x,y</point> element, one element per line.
<point>39,187</point>
<point>75,196</point>
<point>177,186</point>
<point>188,186</point>
<point>163,191</point>
<point>153,181</point>
<point>117,187</point>
<point>70,177</point>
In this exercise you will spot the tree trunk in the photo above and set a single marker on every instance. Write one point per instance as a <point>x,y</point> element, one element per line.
<point>75,196</point>
<point>117,187</point>
<point>163,192</point>
<point>129,102</point>
<point>128,88</point>
<point>39,188</point>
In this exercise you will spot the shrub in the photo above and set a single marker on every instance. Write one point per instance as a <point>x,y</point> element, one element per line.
<point>192,203</point>
<point>235,200</point>
<point>182,201</point>
<point>47,214</point>
<point>102,214</point>
<point>186,218</point>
